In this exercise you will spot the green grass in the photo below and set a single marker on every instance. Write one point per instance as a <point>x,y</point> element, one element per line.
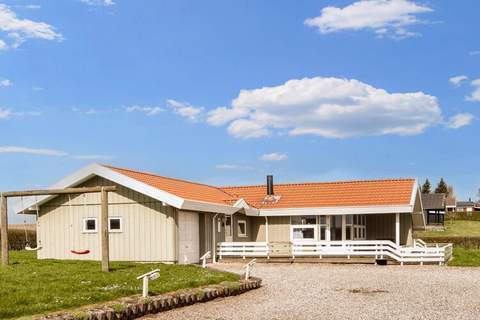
<point>30,286</point>
<point>465,257</point>
<point>457,228</point>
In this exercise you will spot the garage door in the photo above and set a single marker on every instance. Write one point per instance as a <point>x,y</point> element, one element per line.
<point>189,238</point>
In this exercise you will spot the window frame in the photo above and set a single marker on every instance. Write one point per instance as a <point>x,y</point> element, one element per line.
<point>84,225</point>
<point>115,230</point>
<point>315,228</point>
<point>242,235</point>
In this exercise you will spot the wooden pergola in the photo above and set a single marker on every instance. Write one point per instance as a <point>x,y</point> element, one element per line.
<point>55,192</point>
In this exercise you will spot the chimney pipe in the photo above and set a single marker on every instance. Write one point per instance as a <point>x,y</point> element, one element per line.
<point>270,185</point>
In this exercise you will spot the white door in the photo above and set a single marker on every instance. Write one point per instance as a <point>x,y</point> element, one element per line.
<point>189,238</point>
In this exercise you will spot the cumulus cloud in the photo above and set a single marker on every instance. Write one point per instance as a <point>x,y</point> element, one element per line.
<point>8,113</point>
<point>275,156</point>
<point>385,17</point>
<point>149,111</point>
<point>328,107</point>
<point>105,3</point>
<point>460,120</point>
<point>5,83</point>
<point>185,109</point>
<point>458,80</point>
<point>19,30</point>
<point>475,96</point>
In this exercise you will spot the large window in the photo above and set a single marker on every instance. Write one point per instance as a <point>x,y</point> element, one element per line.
<point>303,228</point>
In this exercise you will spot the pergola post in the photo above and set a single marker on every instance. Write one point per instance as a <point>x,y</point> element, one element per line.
<point>344,227</point>
<point>104,234</point>
<point>397,229</point>
<point>4,229</point>
<point>266,229</point>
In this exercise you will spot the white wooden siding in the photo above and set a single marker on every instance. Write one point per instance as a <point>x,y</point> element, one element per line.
<point>149,229</point>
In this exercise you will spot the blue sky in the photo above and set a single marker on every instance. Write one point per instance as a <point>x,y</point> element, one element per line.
<point>224,92</point>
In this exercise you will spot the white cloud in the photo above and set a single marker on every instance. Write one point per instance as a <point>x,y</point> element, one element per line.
<point>384,17</point>
<point>37,89</point>
<point>185,109</point>
<point>458,80</point>
<point>87,112</point>
<point>18,30</point>
<point>92,157</point>
<point>233,167</point>
<point>274,157</point>
<point>105,3</point>
<point>5,83</point>
<point>474,53</point>
<point>329,107</point>
<point>40,152</point>
<point>7,113</point>
<point>149,111</point>
<point>29,6</point>
<point>3,45</point>
<point>460,120</point>
<point>475,96</point>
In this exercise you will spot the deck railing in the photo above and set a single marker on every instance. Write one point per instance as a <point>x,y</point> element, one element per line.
<point>420,252</point>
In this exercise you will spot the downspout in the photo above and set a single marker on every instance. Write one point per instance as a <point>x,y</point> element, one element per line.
<point>214,244</point>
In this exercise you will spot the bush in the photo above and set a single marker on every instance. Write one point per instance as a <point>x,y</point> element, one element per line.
<point>465,242</point>
<point>17,241</point>
<point>460,215</point>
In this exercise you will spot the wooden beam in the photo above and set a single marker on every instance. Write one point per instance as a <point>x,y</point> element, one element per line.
<point>104,231</point>
<point>4,229</point>
<point>50,192</point>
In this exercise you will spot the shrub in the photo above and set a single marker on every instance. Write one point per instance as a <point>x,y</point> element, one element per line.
<point>460,215</point>
<point>17,241</point>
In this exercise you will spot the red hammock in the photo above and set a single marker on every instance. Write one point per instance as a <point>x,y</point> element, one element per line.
<point>80,251</point>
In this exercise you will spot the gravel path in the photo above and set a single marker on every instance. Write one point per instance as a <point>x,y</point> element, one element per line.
<point>307,291</point>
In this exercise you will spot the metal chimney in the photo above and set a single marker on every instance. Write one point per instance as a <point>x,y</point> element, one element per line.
<point>269,185</point>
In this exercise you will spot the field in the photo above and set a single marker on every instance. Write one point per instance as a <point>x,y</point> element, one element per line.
<point>457,228</point>
<point>30,286</point>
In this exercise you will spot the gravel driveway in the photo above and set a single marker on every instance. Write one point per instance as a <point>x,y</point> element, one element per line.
<point>308,291</point>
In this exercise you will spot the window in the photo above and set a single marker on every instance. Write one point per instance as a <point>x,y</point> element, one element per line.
<point>115,224</point>
<point>303,228</point>
<point>90,225</point>
<point>242,228</point>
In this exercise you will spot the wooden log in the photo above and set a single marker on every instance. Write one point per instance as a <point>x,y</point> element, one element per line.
<point>4,229</point>
<point>53,192</point>
<point>104,234</point>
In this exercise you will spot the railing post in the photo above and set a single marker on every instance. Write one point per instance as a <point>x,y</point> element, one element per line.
<point>243,246</point>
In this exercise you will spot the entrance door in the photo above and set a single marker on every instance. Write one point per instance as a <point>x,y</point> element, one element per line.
<point>189,238</point>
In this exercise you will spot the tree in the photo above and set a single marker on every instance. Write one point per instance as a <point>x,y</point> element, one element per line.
<point>442,187</point>
<point>450,192</point>
<point>426,187</point>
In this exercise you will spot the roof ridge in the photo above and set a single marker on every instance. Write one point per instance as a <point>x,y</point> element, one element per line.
<point>321,182</point>
<point>169,178</point>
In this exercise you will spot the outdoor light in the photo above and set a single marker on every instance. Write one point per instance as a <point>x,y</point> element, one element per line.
<point>152,275</point>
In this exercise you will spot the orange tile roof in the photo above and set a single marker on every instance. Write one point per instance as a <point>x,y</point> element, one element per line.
<point>181,188</point>
<point>329,194</point>
<point>300,195</point>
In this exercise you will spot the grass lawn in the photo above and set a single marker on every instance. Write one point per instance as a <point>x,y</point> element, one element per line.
<point>465,257</point>
<point>457,228</point>
<point>30,286</point>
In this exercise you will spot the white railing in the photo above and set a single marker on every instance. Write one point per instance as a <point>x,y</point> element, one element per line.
<point>242,249</point>
<point>379,249</point>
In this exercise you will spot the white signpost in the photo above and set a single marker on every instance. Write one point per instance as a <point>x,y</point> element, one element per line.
<point>152,275</point>
<point>204,258</point>
<point>248,268</point>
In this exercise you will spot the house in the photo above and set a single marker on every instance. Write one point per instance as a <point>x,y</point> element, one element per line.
<point>434,207</point>
<point>156,218</point>
<point>450,204</point>
<point>466,206</point>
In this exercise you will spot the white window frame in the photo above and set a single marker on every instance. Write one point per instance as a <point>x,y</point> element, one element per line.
<point>304,226</point>
<point>84,226</point>
<point>242,235</point>
<point>115,230</point>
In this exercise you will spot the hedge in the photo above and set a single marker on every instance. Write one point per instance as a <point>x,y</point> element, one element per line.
<point>469,216</point>
<point>465,242</point>
<point>17,241</point>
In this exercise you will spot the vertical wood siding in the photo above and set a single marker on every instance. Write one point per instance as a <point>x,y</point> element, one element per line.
<point>149,229</point>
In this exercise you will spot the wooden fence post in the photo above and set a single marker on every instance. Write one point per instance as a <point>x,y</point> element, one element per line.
<point>104,231</point>
<point>4,229</point>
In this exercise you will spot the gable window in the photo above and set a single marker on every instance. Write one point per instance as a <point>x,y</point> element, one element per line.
<point>115,224</point>
<point>242,228</point>
<point>90,225</point>
<point>303,228</point>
